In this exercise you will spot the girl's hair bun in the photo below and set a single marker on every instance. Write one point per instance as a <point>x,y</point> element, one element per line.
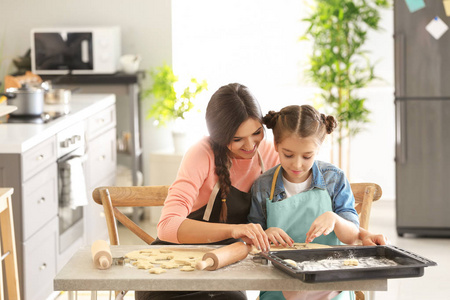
<point>270,119</point>
<point>330,123</point>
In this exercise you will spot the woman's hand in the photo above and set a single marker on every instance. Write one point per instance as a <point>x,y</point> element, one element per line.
<point>251,234</point>
<point>322,225</point>
<point>279,237</point>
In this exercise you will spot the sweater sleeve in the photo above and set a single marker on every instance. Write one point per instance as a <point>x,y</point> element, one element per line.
<point>194,177</point>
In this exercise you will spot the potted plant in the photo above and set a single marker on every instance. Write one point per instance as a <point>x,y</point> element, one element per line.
<point>338,63</point>
<point>172,102</point>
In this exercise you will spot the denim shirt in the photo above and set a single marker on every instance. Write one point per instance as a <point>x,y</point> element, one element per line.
<point>324,176</point>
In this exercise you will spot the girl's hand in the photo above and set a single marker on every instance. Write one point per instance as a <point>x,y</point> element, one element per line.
<point>323,224</point>
<point>278,237</point>
<point>375,239</point>
<point>251,234</point>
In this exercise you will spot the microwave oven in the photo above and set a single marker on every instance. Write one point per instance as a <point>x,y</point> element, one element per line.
<point>76,50</point>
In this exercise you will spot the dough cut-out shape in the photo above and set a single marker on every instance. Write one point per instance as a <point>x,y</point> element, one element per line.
<point>291,262</point>
<point>144,265</point>
<point>187,268</point>
<point>170,265</point>
<point>351,262</point>
<point>157,271</point>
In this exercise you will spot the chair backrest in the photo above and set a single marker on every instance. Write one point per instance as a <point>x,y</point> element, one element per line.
<point>365,194</point>
<point>112,197</point>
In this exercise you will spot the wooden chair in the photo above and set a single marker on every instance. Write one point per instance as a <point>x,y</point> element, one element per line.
<point>112,197</point>
<point>8,244</point>
<point>365,194</point>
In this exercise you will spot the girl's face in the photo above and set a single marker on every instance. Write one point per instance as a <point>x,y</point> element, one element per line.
<point>246,139</point>
<point>297,157</point>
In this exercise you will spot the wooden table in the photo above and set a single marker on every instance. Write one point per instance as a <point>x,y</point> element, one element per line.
<point>79,274</point>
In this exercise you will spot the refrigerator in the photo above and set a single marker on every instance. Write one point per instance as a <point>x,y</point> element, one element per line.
<point>422,108</point>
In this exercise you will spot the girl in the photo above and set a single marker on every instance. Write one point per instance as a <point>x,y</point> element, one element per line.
<point>310,200</point>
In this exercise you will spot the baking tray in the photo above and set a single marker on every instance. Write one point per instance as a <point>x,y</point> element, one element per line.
<point>407,264</point>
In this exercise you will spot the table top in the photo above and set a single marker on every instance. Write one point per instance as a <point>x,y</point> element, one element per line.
<point>79,274</point>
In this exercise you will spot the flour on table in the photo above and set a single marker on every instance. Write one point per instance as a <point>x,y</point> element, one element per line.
<point>157,260</point>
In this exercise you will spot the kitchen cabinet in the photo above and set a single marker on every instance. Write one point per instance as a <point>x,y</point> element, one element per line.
<point>33,177</point>
<point>100,168</point>
<point>29,162</point>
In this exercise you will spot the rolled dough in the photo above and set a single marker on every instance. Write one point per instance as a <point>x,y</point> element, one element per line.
<point>297,246</point>
<point>157,260</point>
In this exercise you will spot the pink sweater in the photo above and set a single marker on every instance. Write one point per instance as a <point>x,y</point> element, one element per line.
<point>196,179</point>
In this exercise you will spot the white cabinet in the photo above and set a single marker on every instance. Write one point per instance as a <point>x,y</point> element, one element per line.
<point>34,176</point>
<point>100,169</point>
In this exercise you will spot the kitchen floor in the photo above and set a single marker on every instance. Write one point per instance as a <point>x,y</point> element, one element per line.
<point>433,285</point>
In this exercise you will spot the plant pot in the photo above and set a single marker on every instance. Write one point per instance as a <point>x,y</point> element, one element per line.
<point>180,142</point>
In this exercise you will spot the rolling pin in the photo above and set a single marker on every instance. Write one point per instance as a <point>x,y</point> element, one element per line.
<point>224,256</point>
<point>101,254</point>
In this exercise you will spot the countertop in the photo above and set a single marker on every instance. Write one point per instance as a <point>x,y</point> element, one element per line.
<point>79,274</point>
<point>18,138</point>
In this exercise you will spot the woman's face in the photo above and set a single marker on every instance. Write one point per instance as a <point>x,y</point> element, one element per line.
<point>246,139</point>
<point>297,157</point>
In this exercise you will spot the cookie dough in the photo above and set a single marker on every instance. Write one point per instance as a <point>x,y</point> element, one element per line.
<point>157,271</point>
<point>296,246</point>
<point>187,269</point>
<point>351,262</point>
<point>291,262</point>
<point>166,258</point>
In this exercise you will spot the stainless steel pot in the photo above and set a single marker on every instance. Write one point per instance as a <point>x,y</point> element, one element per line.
<point>58,96</point>
<point>28,100</point>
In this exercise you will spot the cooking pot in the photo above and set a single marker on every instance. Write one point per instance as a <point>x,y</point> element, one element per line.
<point>28,100</point>
<point>58,96</point>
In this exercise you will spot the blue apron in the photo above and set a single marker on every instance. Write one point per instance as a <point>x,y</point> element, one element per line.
<point>295,215</point>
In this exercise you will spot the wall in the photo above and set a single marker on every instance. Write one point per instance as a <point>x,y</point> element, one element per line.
<point>256,43</point>
<point>252,42</point>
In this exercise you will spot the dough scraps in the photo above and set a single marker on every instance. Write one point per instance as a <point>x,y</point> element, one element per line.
<point>297,246</point>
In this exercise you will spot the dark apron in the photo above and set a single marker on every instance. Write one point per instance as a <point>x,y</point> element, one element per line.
<point>238,205</point>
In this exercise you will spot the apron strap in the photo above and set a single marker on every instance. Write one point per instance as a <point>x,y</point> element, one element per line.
<point>216,188</point>
<point>274,181</point>
<point>211,200</point>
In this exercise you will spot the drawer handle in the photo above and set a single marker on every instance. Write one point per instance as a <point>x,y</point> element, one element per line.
<point>43,267</point>
<point>42,200</point>
<point>102,157</point>
<point>40,157</point>
<point>101,121</point>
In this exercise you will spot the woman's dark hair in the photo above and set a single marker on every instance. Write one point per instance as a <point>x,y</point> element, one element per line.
<point>228,108</point>
<point>305,121</point>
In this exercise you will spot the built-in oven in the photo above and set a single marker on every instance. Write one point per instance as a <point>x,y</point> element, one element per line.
<point>72,194</point>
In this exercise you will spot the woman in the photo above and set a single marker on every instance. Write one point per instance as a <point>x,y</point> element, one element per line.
<point>210,199</point>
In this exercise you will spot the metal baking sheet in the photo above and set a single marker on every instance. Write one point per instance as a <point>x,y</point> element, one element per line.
<point>400,263</point>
